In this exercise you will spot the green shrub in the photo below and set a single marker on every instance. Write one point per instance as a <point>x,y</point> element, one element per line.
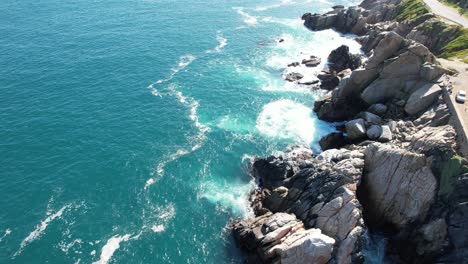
<point>457,48</point>
<point>450,171</point>
<point>411,9</point>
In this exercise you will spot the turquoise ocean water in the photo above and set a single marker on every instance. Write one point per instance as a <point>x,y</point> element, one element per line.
<point>127,127</point>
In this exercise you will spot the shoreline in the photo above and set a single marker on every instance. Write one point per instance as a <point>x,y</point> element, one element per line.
<point>394,165</point>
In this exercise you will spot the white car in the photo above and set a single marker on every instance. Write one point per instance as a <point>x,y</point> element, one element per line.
<point>461,97</point>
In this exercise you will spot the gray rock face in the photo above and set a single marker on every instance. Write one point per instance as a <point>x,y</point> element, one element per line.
<point>282,237</point>
<point>374,132</point>
<point>356,129</point>
<point>345,20</point>
<point>400,184</point>
<point>272,172</point>
<point>431,237</point>
<point>333,140</point>
<point>341,59</point>
<point>406,66</point>
<point>386,134</point>
<point>378,109</point>
<point>430,138</point>
<point>381,90</point>
<point>390,43</point>
<point>438,115</point>
<point>431,72</point>
<point>322,195</point>
<point>372,118</point>
<point>422,99</point>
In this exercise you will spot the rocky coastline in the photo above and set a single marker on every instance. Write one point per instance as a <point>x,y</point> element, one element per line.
<point>393,168</point>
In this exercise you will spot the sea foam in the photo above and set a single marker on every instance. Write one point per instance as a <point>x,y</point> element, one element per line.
<point>248,19</point>
<point>222,42</point>
<point>110,247</point>
<point>7,233</point>
<point>40,229</point>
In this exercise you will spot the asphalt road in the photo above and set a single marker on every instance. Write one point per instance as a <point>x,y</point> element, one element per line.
<point>446,12</point>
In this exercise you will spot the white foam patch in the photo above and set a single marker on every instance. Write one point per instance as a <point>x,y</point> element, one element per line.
<point>222,42</point>
<point>149,182</point>
<point>7,233</point>
<point>40,229</point>
<point>248,19</point>
<point>158,228</point>
<point>234,124</point>
<point>196,141</point>
<point>229,196</point>
<point>160,217</point>
<point>247,157</point>
<point>65,247</point>
<point>110,247</point>
<point>268,7</point>
<point>183,62</point>
<point>286,119</point>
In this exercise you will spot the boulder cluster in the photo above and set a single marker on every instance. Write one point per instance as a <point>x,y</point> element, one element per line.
<point>392,166</point>
<point>311,203</point>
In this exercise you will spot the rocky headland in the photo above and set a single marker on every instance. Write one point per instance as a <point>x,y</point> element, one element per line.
<point>393,168</point>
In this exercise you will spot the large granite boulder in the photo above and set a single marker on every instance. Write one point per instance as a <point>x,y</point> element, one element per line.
<point>422,99</point>
<point>356,129</point>
<point>389,44</point>
<point>341,59</point>
<point>382,90</point>
<point>400,186</point>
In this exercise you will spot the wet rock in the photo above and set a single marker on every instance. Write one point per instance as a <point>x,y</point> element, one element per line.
<point>312,62</point>
<point>342,59</point>
<point>356,129</point>
<point>294,64</point>
<point>333,140</point>
<point>374,132</point>
<point>293,76</point>
<point>328,80</point>
<point>272,172</point>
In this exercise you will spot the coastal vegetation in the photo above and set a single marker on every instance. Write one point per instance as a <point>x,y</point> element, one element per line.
<point>411,9</point>
<point>455,47</point>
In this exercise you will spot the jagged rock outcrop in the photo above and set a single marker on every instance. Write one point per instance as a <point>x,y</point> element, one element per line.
<point>421,99</point>
<point>341,63</point>
<point>320,192</point>
<point>400,184</point>
<point>281,238</point>
<point>341,59</point>
<point>398,141</point>
<point>396,71</point>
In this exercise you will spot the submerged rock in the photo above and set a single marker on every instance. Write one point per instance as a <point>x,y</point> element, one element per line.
<point>293,76</point>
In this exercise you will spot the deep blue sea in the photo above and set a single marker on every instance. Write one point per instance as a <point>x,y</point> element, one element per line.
<point>127,127</point>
